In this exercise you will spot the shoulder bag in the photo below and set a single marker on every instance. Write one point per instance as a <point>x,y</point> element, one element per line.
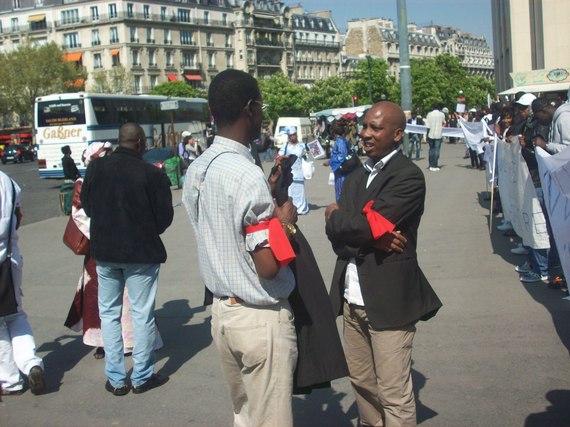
<point>74,239</point>
<point>350,162</point>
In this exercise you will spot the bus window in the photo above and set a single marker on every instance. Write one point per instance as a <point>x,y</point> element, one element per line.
<point>61,113</point>
<point>103,111</point>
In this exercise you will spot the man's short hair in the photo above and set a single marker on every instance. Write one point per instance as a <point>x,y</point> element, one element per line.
<point>539,104</point>
<point>229,93</point>
<point>66,149</point>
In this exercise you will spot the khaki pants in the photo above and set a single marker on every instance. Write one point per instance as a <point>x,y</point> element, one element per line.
<point>258,352</point>
<point>380,362</point>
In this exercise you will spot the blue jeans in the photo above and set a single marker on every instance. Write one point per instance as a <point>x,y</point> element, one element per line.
<point>141,281</point>
<point>434,146</point>
<point>414,142</point>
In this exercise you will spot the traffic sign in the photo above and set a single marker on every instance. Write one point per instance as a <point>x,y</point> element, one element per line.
<point>169,105</point>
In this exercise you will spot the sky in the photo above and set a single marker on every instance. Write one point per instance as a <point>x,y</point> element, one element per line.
<point>473,16</point>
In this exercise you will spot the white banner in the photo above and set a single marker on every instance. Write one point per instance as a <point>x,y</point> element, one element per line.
<point>518,196</point>
<point>449,132</point>
<point>474,133</point>
<point>555,179</point>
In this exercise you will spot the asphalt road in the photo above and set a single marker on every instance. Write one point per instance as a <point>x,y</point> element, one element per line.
<point>40,197</point>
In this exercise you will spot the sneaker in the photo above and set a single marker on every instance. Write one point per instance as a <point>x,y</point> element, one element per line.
<point>36,379</point>
<point>505,226</point>
<point>117,391</point>
<point>531,277</point>
<point>519,250</point>
<point>523,268</point>
<point>156,380</point>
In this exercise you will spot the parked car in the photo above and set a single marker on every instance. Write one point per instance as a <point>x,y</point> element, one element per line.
<point>16,154</point>
<point>165,158</point>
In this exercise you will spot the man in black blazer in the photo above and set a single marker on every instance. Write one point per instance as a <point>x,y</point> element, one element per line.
<point>373,230</point>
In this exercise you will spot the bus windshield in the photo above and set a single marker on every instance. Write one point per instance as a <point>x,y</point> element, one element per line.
<point>61,113</point>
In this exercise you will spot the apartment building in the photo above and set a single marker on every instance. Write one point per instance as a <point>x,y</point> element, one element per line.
<point>169,40</point>
<point>378,38</point>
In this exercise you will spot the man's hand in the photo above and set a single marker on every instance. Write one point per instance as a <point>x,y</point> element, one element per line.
<point>391,242</point>
<point>538,141</point>
<point>330,209</point>
<point>287,212</point>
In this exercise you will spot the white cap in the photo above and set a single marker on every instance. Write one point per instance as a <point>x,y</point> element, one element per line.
<point>445,110</point>
<point>526,100</point>
<point>185,134</point>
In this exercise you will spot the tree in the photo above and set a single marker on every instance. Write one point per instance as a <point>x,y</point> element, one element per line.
<point>282,97</point>
<point>334,92</point>
<point>32,71</point>
<point>116,80</point>
<point>178,89</point>
<point>371,76</point>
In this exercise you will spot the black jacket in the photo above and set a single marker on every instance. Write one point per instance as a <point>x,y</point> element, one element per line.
<point>70,171</point>
<point>394,289</point>
<point>130,205</point>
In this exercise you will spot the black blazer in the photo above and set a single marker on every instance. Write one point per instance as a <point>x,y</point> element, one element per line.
<point>394,289</point>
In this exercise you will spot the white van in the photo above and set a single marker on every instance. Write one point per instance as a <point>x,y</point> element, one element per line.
<point>303,125</point>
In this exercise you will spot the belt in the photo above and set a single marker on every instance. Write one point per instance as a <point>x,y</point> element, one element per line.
<point>233,300</point>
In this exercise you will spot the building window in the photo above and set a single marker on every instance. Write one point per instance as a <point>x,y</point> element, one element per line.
<point>71,40</point>
<point>183,15</point>
<point>113,10</point>
<point>153,82</point>
<point>188,59</point>
<point>69,16</point>
<point>230,60</point>
<point>167,37</point>
<point>1,29</point>
<point>130,11</point>
<point>163,13</point>
<point>138,86</point>
<point>241,54</point>
<point>14,24</point>
<point>95,40</point>
<point>186,37</point>
<point>224,19</point>
<point>212,60</point>
<point>169,59</point>
<point>136,57</point>
<point>228,40</point>
<point>16,4</point>
<point>97,63</point>
<point>150,35</point>
<point>94,13</point>
<point>152,58</point>
<point>114,35</point>
<point>209,41</point>
<point>206,17</point>
<point>134,35</point>
<point>146,11</point>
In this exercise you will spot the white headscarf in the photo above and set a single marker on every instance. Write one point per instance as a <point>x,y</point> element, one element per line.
<point>96,150</point>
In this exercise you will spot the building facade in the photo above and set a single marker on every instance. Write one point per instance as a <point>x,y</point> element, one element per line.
<point>191,40</point>
<point>378,38</point>
<point>529,35</point>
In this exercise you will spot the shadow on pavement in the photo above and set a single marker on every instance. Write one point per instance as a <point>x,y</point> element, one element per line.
<point>323,405</point>
<point>556,415</point>
<point>63,354</point>
<point>181,340</point>
<point>423,413</point>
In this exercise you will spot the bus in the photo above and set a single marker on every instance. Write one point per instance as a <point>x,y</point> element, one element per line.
<point>78,119</point>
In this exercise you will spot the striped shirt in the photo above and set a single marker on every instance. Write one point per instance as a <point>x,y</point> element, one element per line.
<point>224,192</point>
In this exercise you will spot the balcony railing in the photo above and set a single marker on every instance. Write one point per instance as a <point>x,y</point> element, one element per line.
<point>305,42</point>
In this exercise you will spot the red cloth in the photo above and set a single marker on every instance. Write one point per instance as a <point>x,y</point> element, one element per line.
<point>378,224</point>
<point>278,241</point>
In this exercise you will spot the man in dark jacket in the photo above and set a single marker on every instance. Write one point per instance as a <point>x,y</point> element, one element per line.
<point>377,279</point>
<point>70,171</point>
<point>130,205</point>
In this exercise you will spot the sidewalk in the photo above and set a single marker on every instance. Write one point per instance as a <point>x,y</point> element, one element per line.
<point>495,355</point>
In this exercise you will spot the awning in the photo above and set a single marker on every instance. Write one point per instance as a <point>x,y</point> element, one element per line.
<point>545,87</point>
<point>72,57</point>
<point>192,76</point>
<point>172,77</point>
<point>115,52</point>
<point>37,18</point>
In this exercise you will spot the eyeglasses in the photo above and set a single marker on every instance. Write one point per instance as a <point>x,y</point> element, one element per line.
<point>255,101</point>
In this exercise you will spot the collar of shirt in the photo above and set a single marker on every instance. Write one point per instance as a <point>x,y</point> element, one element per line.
<point>374,169</point>
<point>227,144</point>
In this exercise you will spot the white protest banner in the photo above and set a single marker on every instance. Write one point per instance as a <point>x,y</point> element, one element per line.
<point>421,129</point>
<point>555,180</point>
<point>518,196</point>
<point>473,132</point>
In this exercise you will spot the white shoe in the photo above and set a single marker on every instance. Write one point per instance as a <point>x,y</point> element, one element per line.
<point>519,250</point>
<point>505,227</point>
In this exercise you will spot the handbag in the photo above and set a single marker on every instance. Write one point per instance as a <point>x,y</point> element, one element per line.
<point>74,239</point>
<point>8,302</point>
<point>350,162</point>
<point>308,168</point>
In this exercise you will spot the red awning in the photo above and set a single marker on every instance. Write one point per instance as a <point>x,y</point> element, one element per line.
<point>72,57</point>
<point>192,76</point>
<point>172,77</point>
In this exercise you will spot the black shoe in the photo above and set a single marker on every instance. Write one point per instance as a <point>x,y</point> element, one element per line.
<point>156,380</point>
<point>36,379</point>
<point>117,391</point>
<point>12,392</point>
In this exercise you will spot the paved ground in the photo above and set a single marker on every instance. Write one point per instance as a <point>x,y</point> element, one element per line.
<point>495,355</point>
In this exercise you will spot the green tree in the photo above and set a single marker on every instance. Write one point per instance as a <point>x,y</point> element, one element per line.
<point>178,89</point>
<point>32,71</point>
<point>334,92</point>
<point>115,80</point>
<point>371,75</point>
<point>426,79</point>
<point>282,97</point>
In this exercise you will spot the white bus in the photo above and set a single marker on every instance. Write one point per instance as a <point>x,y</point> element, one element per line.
<point>78,119</point>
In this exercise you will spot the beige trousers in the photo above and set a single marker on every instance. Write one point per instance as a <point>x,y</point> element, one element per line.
<point>258,352</point>
<point>380,363</point>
